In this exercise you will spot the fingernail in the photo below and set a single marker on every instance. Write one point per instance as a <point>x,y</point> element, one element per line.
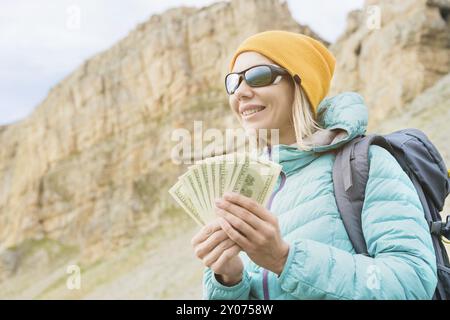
<point>218,201</point>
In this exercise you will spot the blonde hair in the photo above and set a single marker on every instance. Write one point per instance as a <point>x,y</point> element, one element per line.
<point>303,118</point>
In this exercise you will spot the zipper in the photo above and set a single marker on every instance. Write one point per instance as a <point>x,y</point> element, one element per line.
<point>266,272</point>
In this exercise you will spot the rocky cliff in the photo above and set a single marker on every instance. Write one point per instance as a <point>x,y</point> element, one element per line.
<point>391,51</point>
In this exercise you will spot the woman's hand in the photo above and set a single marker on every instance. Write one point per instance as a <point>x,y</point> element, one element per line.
<point>218,252</point>
<point>254,229</point>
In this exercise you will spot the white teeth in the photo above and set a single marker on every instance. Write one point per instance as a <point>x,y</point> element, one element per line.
<point>252,111</point>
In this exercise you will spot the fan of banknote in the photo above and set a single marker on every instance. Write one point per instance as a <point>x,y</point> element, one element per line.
<point>208,179</point>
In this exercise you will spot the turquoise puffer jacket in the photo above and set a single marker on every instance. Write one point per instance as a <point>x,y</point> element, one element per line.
<point>322,263</point>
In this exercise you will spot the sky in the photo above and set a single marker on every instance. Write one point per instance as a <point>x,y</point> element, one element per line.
<point>41,42</point>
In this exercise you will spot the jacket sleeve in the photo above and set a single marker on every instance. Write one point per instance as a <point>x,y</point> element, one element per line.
<point>214,290</point>
<point>402,263</point>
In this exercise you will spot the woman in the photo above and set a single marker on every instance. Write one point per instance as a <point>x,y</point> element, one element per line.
<point>297,247</point>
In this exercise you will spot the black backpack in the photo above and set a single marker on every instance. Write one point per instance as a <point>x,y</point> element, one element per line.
<point>422,162</point>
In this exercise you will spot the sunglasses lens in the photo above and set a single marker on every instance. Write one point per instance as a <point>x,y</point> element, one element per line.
<point>231,82</point>
<point>258,76</point>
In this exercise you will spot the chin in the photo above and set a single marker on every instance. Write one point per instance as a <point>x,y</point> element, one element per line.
<point>254,126</point>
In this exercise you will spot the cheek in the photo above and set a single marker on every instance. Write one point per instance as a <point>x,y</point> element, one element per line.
<point>234,106</point>
<point>286,105</point>
<point>281,112</point>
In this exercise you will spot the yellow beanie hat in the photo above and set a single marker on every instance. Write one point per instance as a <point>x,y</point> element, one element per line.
<point>303,57</point>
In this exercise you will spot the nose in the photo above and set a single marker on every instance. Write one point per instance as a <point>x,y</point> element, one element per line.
<point>244,90</point>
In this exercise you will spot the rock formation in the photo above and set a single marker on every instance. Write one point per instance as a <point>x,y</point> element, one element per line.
<point>393,61</point>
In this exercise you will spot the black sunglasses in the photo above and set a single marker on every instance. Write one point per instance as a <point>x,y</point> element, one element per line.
<point>256,76</point>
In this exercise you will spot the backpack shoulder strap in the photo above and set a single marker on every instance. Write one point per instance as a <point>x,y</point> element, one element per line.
<point>350,175</point>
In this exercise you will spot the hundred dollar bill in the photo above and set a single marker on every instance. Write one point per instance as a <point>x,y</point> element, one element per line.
<point>242,168</point>
<point>222,177</point>
<point>200,184</point>
<point>207,184</point>
<point>193,191</point>
<point>260,179</point>
<point>180,196</point>
<point>233,165</point>
<point>211,173</point>
<point>210,166</point>
<point>221,174</point>
<point>216,167</point>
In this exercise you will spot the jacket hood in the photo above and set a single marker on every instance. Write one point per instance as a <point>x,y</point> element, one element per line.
<point>343,117</point>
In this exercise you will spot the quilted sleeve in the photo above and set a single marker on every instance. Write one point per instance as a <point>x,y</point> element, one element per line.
<point>214,290</point>
<point>402,263</point>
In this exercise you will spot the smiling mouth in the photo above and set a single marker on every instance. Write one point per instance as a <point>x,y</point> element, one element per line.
<point>250,112</point>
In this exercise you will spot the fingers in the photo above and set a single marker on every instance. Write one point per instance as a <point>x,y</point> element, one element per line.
<point>205,232</point>
<point>213,255</point>
<point>225,256</point>
<point>249,204</point>
<point>241,213</point>
<point>205,247</point>
<point>238,224</point>
<point>234,235</point>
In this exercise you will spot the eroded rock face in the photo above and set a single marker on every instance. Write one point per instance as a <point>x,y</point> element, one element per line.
<point>91,166</point>
<point>391,65</point>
